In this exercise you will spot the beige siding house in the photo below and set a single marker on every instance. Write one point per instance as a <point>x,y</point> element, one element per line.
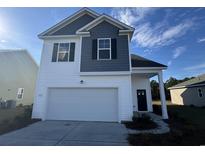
<point>191,92</point>
<point>18,72</point>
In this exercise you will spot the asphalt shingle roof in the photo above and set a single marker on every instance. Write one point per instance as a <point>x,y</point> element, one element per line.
<point>138,61</point>
<point>192,82</point>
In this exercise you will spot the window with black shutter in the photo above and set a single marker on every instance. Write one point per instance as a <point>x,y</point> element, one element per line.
<point>94,49</point>
<point>114,48</point>
<point>55,52</point>
<point>72,52</point>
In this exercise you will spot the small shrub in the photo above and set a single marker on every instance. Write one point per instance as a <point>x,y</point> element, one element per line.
<point>27,112</point>
<point>157,109</point>
<point>20,105</point>
<point>142,122</point>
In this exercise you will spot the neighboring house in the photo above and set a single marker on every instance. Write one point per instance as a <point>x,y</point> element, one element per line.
<point>87,71</point>
<point>191,92</point>
<point>18,72</point>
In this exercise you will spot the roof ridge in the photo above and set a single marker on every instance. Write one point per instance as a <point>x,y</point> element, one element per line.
<point>12,50</point>
<point>195,80</point>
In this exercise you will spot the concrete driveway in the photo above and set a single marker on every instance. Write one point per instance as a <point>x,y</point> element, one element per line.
<point>68,133</point>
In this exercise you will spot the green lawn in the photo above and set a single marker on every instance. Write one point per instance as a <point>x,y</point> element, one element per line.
<point>194,115</point>
<point>187,127</point>
<point>155,102</point>
<point>12,119</point>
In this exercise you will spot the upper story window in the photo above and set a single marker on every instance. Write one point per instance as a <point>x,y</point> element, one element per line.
<point>104,49</point>
<point>63,52</point>
<point>20,93</point>
<point>200,92</point>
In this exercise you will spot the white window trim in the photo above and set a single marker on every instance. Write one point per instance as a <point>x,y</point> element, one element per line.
<point>201,92</point>
<point>98,49</point>
<point>58,52</point>
<point>19,94</point>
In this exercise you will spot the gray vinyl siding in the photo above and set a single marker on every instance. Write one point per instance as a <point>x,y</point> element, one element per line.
<point>105,30</point>
<point>71,28</point>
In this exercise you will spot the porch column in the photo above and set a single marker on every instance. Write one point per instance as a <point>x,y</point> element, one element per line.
<point>162,96</point>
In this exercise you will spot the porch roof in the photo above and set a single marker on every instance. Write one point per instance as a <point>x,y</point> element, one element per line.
<point>138,61</point>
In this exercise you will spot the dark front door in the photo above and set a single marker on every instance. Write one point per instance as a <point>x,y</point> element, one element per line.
<point>142,100</point>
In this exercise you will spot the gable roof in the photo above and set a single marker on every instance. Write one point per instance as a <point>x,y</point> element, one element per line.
<point>22,53</point>
<point>124,29</point>
<point>197,81</point>
<point>68,20</point>
<point>104,17</point>
<point>138,61</point>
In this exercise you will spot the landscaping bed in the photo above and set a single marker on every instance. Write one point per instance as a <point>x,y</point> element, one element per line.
<point>143,122</point>
<point>12,119</point>
<point>187,127</point>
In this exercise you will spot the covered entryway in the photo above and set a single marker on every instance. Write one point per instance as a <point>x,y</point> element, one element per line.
<point>142,70</point>
<point>142,100</point>
<point>83,104</point>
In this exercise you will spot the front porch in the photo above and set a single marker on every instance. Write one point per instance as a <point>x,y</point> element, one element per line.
<point>141,89</point>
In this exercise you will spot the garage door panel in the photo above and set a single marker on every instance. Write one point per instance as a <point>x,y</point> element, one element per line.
<point>90,104</point>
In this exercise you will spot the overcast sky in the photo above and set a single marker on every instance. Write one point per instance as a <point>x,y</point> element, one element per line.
<point>171,36</point>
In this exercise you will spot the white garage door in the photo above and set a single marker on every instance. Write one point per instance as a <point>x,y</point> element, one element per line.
<point>88,104</point>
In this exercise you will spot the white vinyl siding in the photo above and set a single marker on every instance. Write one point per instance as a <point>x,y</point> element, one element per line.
<point>54,75</point>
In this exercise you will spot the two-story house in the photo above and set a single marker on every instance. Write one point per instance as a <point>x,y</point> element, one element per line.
<point>87,72</point>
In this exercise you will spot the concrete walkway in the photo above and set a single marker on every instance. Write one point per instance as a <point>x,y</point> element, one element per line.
<point>68,133</point>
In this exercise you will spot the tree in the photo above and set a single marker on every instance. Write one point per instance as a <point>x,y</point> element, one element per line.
<point>155,90</point>
<point>169,83</point>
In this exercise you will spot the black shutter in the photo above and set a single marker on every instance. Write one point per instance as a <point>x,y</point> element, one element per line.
<point>55,52</point>
<point>94,49</point>
<point>72,51</point>
<point>114,48</point>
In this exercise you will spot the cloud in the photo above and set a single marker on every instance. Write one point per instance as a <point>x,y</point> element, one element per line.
<point>196,67</point>
<point>178,51</point>
<point>169,63</point>
<point>131,15</point>
<point>3,41</point>
<point>157,36</point>
<point>201,40</point>
<point>149,35</point>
